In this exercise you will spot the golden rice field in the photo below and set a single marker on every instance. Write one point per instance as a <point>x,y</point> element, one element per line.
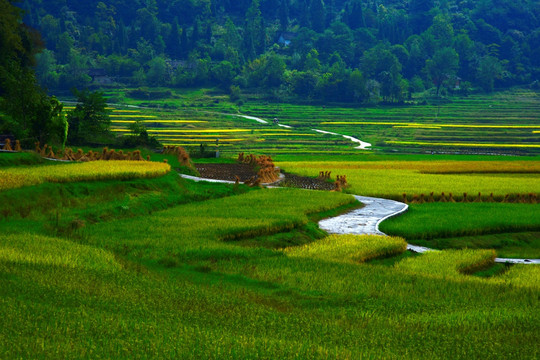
<point>350,248</point>
<point>33,249</point>
<point>16,177</point>
<point>391,179</point>
<point>436,126</point>
<point>453,264</point>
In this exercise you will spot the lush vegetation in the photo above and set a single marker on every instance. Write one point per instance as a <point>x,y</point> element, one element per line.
<point>500,123</point>
<point>350,248</point>
<point>430,221</point>
<point>125,259</point>
<point>340,50</point>
<point>180,282</point>
<point>456,202</point>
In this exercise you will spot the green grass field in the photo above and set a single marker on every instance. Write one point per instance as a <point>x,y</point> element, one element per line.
<point>109,265</point>
<point>180,283</point>
<point>511,229</point>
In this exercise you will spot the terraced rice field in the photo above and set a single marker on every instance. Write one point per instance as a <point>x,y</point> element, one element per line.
<point>504,122</point>
<point>507,122</point>
<point>230,134</point>
<point>183,283</point>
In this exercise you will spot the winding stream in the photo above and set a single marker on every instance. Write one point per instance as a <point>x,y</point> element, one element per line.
<point>365,221</point>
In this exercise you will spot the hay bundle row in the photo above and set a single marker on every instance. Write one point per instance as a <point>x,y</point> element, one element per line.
<point>324,175</point>
<point>180,152</point>
<point>267,172</point>
<point>105,155</point>
<point>7,145</point>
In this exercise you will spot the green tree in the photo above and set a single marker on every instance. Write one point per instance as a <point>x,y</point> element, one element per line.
<point>357,86</point>
<point>419,16</point>
<point>489,69</point>
<point>284,14</point>
<point>442,66</point>
<point>380,64</point>
<point>25,109</point>
<point>157,72</point>
<point>442,31</point>
<point>46,69</point>
<point>50,28</point>
<point>303,82</point>
<point>274,70</point>
<point>254,34</point>
<point>64,45</point>
<point>224,73</point>
<point>354,14</point>
<point>317,15</point>
<point>49,123</point>
<point>266,71</point>
<point>312,62</point>
<point>89,122</point>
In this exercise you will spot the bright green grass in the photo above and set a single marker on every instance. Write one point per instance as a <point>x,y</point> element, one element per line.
<point>18,159</point>
<point>508,245</point>
<point>428,221</point>
<point>449,264</point>
<point>179,283</point>
<point>40,250</point>
<point>198,231</point>
<point>64,208</point>
<point>474,225</point>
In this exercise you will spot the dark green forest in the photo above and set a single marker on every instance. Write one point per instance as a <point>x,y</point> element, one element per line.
<point>361,51</point>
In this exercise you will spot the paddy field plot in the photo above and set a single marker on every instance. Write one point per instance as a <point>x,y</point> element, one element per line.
<point>11,178</point>
<point>506,122</point>
<point>392,179</point>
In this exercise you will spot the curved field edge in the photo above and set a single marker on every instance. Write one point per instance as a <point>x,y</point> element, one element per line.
<point>430,224</point>
<point>208,229</point>
<point>65,208</point>
<point>16,177</point>
<point>39,250</point>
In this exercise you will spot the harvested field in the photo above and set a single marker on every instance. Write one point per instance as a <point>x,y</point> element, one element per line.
<point>246,172</point>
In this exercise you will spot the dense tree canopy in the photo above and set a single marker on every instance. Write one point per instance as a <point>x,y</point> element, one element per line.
<point>26,112</point>
<point>422,44</point>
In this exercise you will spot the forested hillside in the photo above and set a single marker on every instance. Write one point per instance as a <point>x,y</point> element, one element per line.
<point>333,50</point>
